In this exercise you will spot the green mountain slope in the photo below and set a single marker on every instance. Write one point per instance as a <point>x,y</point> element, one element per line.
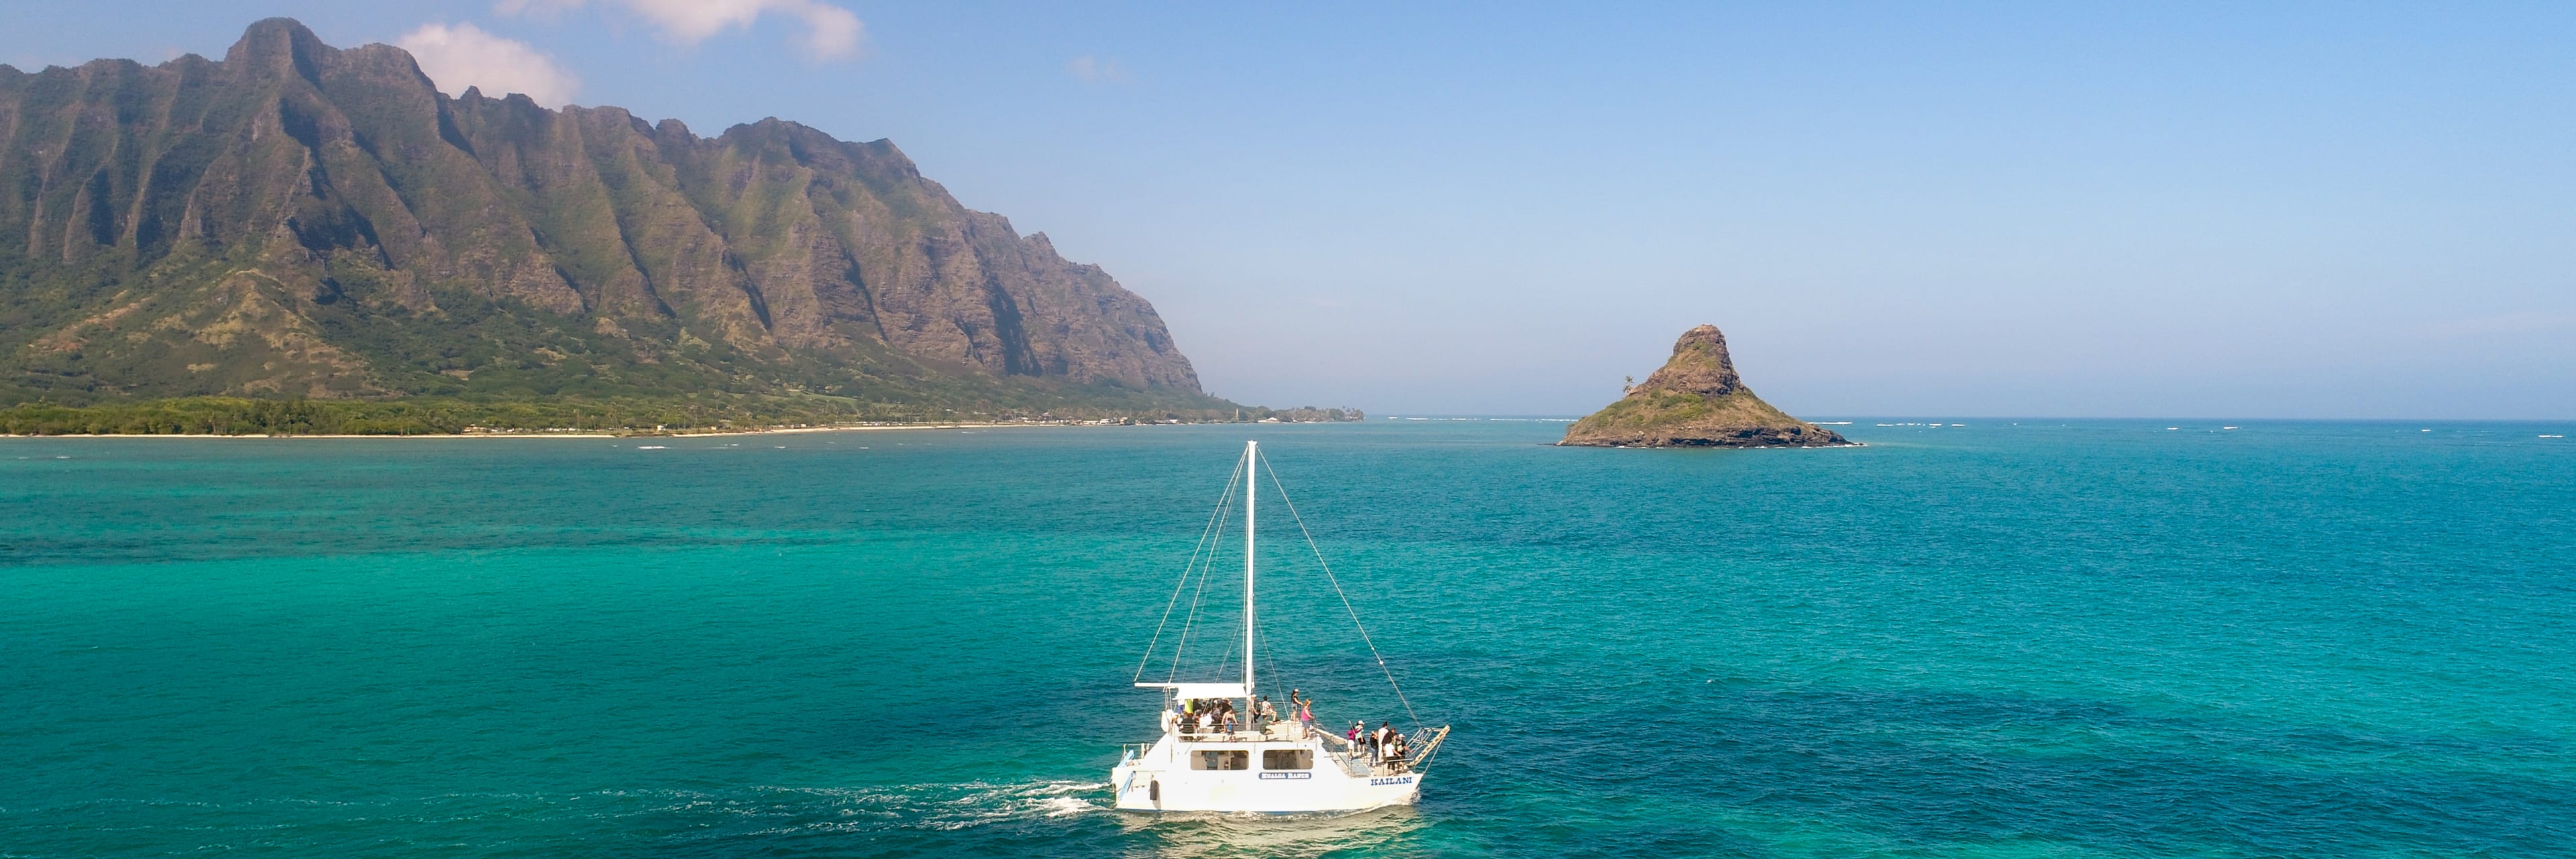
<point>302,221</point>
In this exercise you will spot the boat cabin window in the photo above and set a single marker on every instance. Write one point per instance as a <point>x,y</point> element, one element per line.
<point>1237,759</point>
<point>1288,759</point>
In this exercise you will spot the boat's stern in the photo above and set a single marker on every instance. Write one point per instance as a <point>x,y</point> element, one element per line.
<point>1136,782</point>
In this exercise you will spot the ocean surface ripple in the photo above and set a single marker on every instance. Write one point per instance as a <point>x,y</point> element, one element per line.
<point>2033,638</point>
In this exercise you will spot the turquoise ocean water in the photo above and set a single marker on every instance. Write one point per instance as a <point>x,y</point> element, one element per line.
<point>2039,638</point>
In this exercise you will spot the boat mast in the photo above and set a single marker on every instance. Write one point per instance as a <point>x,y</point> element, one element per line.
<point>1251,462</point>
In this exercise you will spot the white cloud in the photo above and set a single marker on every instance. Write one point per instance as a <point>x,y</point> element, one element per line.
<point>1099,71</point>
<point>460,56</point>
<point>831,32</point>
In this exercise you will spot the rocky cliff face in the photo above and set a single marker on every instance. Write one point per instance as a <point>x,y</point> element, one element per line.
<point>1696,400</point>
<point>298,219</point>
<point>1700,365</point>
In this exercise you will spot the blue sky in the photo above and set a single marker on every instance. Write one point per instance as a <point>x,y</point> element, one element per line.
<point>2225,210</point>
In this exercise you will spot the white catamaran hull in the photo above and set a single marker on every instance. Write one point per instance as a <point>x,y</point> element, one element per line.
<point>1161,780</point>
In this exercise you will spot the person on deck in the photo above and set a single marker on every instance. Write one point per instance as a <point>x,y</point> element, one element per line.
<point>1385,736</point>
<point>1263,713</point>
<point>1306,712</point>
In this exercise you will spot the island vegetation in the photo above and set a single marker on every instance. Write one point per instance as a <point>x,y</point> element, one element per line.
<point>619,416</point>
<point>1696,400</point>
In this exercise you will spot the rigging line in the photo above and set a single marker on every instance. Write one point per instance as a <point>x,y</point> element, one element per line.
<point>1182,647</point>
<point>1225,665</point>
<point>1206,571</point>
<point>1263,637</point>
<point>1184,583</point>
<point>1269,660</point>
<point>1337,591</point>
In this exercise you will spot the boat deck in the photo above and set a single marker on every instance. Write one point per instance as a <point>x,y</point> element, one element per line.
<point>1351,757</point>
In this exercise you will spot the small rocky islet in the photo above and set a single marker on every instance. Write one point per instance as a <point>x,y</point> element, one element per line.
<point>1696,400</point>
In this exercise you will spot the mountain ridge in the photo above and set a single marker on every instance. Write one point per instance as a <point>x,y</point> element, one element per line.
<point>298,220</point>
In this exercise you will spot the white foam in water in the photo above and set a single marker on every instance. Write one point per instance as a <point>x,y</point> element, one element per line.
<point>987,803</point>
<point>914,806</point>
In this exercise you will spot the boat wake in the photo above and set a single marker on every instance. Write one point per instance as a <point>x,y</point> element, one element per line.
<point>951,806</point>
<point>1190,834</point>
<point>578,821</point>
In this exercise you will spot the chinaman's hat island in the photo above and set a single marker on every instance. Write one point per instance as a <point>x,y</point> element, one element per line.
<point>1696,400</point>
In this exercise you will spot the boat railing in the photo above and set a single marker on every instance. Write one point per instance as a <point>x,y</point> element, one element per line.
<point>1353,757</point>
<point>1242,735</point>
<point>1423,744</point>
<point>1419,747</point>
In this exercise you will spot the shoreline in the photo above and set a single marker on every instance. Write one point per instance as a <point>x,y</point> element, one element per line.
<point>588,435</point>
<point>599,435</point>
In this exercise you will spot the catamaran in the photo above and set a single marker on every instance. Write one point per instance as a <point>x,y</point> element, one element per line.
<point>1261,766</point>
